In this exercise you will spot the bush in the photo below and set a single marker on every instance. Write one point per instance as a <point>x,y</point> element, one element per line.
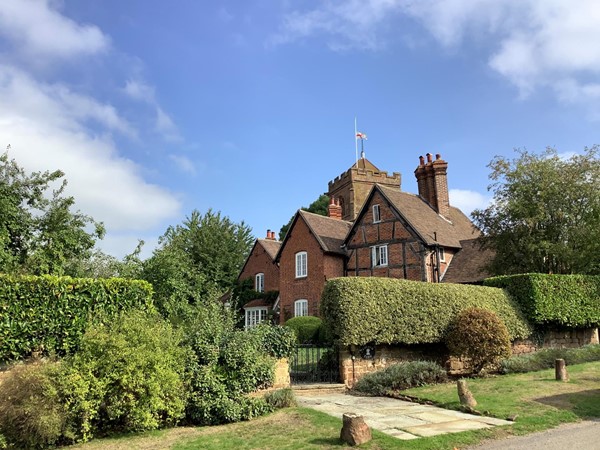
<point>226,365</point>
<point>51,313</point>
<point>130,373</point>
<point>401,376</point>
<point>377,310</point>
<point>480,336</point>
<point>306,328</point>
<point>31,413</point>
<point>544,359</point>
<point>281,398</point>
<point>559,300</point>
<point>277,341</point>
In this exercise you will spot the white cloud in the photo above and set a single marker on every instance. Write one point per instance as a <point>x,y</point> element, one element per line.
<point>138,90</point>
<point>532,43</point>
<point>467,201</point>
<point>183,163</point>
<point>166,127</point>
<point>40,30</point>
<point>45,126</point>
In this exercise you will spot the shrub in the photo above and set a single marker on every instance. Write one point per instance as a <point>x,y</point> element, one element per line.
<point>131,372</point>
<point>51,313</point>
<point>281,398</point>
<point>306,328</point>
<point>361,310</point>
<point>31,414</point>
<point>544,359</point>
<point>277,341</point>
<point>480,336</point>
<point>401,376</point>
<point>560,300</point>
<point>226,365</point>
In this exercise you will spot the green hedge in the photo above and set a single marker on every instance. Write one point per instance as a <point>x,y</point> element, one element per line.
<point>383,310</point>
<point>556,300</point>
<point>51,313</point>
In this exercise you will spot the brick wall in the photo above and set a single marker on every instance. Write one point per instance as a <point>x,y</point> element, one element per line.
<point>320,268</point>
<point>352,369</point>
<point>259,261</point>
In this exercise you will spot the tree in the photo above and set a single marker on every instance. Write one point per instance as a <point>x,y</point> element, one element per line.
<point>198,259</point>
<point>39,233</point>
<point>319,206</point>
<point>545,213</point>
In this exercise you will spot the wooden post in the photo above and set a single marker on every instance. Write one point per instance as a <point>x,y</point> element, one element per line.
<point>560,369</point>
<point>354,430</point>
<point>464,394</point>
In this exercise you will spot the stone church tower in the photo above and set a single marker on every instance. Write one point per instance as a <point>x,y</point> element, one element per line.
<point>352,187</point>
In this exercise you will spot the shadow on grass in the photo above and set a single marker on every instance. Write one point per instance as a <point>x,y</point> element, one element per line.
<point>584,404</point>
<point>328,442</point>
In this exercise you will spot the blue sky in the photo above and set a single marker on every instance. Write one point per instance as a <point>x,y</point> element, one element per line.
<point>154,109</point>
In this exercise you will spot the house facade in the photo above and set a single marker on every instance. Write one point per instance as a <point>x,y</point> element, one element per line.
<point>310,254</point>
<point>260,267</point>
<point>373,228</point>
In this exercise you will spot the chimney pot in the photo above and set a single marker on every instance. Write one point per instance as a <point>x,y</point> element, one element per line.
<point>438,156</point>
<point>428,157</point>
<point>332,200</point>
<point>268,234</point>
<point>421,161</point>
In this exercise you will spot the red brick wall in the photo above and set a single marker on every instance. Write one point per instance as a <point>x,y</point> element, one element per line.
<point>260,261</point>
<point>320,267</point>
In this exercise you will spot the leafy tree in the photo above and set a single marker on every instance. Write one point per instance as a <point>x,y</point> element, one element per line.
<point>319,206</point>
<point>545,214</point>
<point>39,233</point>
<point>198,259</point>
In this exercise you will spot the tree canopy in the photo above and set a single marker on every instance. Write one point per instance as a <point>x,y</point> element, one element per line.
<point>198,259</point>
<point>39,232</point>
<point>545,213</point>
<point>319,206</point>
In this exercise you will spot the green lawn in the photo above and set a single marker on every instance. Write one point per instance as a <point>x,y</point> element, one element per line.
<point>539,401</point>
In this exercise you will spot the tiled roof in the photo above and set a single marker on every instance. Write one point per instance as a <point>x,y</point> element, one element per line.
<point>270,246</point>
<point>429,225</point>
<point>469,264</point>
<point>330,233</point>
<point>256,302</point>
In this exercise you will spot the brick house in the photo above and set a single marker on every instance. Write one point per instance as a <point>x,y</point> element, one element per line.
<point>260,267</point>
<point>372,229</point>
<point>402,235</point>
<point>310,254</point>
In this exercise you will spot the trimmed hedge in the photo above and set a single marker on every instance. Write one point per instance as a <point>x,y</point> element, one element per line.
<point>559,300</point>
<point>385,311</point>
<point>306,328</point>
<point>50,314</point>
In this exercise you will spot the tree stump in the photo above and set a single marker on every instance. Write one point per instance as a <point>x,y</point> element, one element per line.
<point>464,394</point>
<point>560,368</point>
<point>354,430</point>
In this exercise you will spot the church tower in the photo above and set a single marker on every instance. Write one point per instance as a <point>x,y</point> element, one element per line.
<point>352,187</point>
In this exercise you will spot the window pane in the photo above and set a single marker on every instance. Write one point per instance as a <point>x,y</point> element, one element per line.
<point>301,308</point>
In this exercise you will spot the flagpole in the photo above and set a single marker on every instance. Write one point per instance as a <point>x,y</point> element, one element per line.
<point>356,140</point>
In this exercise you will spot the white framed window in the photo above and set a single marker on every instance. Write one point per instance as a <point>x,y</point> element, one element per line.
<point>255,315</point>
<point>259,282</point>
<point>442,254</point>
<point>301,264</point>
<point>301,308</point>
<point>376,214</point>
<point>379,255</point>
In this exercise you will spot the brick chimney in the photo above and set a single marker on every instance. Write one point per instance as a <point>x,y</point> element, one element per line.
<point>432,180</point>
<point>270,235</point>
<point>334,210</point>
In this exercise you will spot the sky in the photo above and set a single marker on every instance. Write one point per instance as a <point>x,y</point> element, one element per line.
<point>153,109</point>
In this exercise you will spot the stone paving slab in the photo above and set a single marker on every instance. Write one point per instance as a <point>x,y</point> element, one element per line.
<point>398,418</point>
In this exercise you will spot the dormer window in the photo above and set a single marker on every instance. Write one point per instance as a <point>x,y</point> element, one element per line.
<point>301,265</point>
<point>376,214</point>
<point>259,282</point>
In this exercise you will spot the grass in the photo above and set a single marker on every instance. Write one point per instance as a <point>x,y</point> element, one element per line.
<point>539,401</point>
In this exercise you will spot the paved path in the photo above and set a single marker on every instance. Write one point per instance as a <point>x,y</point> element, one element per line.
<point>576,436</point>
<point>398,418</point>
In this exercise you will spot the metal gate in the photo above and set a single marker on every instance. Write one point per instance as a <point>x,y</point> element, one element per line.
<point>314,364</point>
